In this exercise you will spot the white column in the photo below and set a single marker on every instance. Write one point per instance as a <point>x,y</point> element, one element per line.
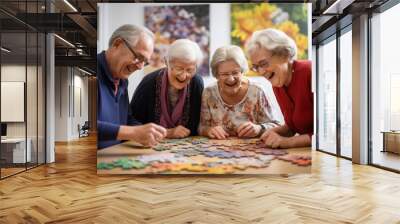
<point>360,90</point>
<point>50,99</point>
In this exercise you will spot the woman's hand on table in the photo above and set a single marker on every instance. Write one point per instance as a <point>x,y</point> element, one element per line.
<point>178,132</point>
<point>248,130</point>
<point>273,139</point>
<point>217,132</point>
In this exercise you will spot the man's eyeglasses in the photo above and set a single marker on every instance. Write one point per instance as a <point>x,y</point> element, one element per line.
<point>263,64</point>
<point>180,70</point>
<point>138,57</point>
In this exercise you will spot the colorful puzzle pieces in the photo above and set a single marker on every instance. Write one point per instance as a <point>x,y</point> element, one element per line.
<point>105,166</point>
<point>297,159</point>
<point>202,155</point>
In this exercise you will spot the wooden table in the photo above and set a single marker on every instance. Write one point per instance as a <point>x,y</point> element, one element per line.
<point>391,141</point>
<point>130,150</point>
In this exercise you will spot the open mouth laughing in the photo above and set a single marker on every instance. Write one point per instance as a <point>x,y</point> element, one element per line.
<point>181,80</point>
<point>269,76</point>
<point>230,84</point>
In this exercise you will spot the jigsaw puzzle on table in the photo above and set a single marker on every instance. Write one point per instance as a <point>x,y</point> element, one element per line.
<point>201,155</point>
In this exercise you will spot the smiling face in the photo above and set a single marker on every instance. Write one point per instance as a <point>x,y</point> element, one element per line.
<point>180,73</point>
<point>273,68</point>
<point>123,62</point>
<point>229,76</point>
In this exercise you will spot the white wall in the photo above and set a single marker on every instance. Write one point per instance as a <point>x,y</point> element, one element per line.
<point>80,83</point>
<point>68,82</point>
<point>113,15</point>
<point>61,103</point>
<point>14,73</point>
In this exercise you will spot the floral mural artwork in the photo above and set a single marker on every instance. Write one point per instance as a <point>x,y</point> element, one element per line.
<point>170,23</point>
<point>291,18</point>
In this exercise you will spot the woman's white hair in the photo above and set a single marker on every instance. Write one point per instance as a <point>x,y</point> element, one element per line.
<point>186,50</point>
<point>229,52</point>
<point>276,41</point>
<point>130,33</point>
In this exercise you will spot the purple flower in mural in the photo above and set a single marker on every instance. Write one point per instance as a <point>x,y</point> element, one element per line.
<point>170,23</point>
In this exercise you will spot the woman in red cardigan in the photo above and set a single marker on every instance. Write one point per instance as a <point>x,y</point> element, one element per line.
<point>273,55</point>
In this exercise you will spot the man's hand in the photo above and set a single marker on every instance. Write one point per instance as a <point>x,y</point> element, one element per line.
<point>147,135</point>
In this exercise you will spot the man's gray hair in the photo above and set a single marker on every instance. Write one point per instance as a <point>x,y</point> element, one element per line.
<point>276,41</point>
<point>130,33</point>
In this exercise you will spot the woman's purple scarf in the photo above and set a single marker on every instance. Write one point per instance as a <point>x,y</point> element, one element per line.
<point>167,119</point>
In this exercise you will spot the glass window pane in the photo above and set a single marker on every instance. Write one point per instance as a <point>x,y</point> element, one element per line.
<point>31,97</point>
<point>13,86</point>
<point>41,98</point>
<point>327,97</point>
<point>346,94</point>
<point>385,86</point>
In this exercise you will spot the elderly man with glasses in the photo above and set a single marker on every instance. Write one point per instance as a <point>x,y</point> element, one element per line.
<point>171,96</point>
<point>130,47</point>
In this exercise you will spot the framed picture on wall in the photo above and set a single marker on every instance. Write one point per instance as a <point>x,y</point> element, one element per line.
<point>288,17</point>
<point>170,23</point>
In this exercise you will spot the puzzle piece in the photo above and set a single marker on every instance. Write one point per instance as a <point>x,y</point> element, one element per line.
<point>160,157</point>
<point>216,153</point>
<point>276,152</point>
<point>105,166</point>
<point>162,167</point>
<point>121,162</point>
<point>126,163</point>
<point>204,155</point>
<point>221,169</point>
<point>187,152</point>
<point>302,162</point>
<point>133,165</point>
<point>252,162</point>
<point>193,168</point>
<point>297,159</point>
<point>213,164</point>
<point>204,160</point>
<point>160,148</point>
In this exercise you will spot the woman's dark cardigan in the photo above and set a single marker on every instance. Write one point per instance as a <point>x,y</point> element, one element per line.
<point>145,105</point>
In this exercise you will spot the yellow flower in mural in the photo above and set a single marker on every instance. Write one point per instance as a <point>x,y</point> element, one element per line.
<point>243,25</point>
<point>302,45</point>
<point>247,19</point>
<point>263,11</point>
<point>289,28</point>
<point>293,31</point>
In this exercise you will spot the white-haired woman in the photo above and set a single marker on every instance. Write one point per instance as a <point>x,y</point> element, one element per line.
<point>234,106</point>
<point>171,96</point>
<point>273,55</point>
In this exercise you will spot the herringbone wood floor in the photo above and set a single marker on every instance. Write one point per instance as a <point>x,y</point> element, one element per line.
<point>69,191</point>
